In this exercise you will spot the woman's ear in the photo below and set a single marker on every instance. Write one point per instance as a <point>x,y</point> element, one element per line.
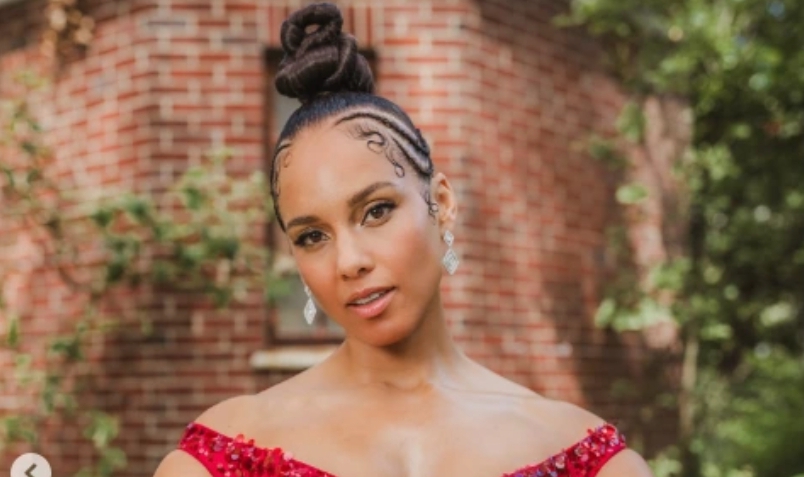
<point>443,196</point>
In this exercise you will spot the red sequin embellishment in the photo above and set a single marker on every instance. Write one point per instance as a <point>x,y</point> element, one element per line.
<point>224,456</point>
<point>583,459</point>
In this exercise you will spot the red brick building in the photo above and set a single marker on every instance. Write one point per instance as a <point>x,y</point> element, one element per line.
<point>506,100</point>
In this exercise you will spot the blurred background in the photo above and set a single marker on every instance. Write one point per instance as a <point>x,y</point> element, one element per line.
<point>631,229</point>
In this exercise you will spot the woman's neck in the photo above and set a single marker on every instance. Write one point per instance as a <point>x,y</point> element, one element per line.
<point>428,356</point>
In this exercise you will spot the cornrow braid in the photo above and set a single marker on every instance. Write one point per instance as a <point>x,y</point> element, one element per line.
<point>404,129</point>
<point>382,124</point>
<point>324,70</point>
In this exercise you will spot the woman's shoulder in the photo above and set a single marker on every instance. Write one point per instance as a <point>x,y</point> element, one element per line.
<point>570,425</point>
<point>236,415</point>
<point>230,417</point>
<point>558,417</point>
<point>575,425</point>
<point>562,417</point>
<point>224,417</point>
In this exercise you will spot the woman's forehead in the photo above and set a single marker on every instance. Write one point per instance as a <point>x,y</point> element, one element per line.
<point>331,152</point>
<point>327,135</point>
<point>328,163</point>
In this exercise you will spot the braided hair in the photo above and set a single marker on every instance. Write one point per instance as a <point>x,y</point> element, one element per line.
<point>324,71</point>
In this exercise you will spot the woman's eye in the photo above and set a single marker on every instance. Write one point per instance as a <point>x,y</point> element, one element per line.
<point>309,238</point>
<point>378,212</point>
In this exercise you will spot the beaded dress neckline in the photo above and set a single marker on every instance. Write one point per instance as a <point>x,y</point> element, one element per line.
<point>225,456</point>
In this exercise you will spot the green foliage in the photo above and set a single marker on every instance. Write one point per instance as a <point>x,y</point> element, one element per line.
<point>645,313</point>
<point>631,194</point>
<point>607,153</point>
<point>101,431</point>
<point>631,123</point>
<point>202,244</point>
<point>201,241</point>
<point>13,332</point>
<point>750,419</point>
<point>666,464</point>
<point>737,288</point>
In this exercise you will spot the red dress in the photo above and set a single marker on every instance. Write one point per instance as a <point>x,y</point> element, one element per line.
<point>224,456</point>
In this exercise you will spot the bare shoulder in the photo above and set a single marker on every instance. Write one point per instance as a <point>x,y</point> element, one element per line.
<point>224,417</point>
<point>559,418</point>
<point>565,418</point>
<point>230,416</point>
<point>237,415</point>
<point>574,422</point>
<point>233,416</point>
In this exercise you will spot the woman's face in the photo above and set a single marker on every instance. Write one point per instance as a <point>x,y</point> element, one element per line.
<point>363,238</point>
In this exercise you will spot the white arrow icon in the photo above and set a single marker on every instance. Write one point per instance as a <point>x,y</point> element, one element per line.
<point>31,465</point>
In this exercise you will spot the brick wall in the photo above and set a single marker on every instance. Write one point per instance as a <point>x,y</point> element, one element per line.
<point>503,96</point>
<point>535,210</point>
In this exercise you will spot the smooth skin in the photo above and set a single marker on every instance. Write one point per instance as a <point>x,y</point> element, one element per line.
<point>398,398</point>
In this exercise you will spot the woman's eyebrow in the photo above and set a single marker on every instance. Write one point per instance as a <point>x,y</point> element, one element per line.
<point>354,200</point>
<point>303,220</point>
<point>362,194</point>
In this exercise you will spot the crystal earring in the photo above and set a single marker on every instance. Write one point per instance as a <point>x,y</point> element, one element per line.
<point>309,307</point>
<point>450,260</point>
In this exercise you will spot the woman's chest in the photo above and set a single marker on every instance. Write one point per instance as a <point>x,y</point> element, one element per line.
<point>430,440</point>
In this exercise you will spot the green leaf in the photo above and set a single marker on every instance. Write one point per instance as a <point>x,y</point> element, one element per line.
<point>112,459</point>
<point>13,331</point>
<point>102,429</point>
<point>630,194</point>
<point>741,130</point>
<point>194,199</point>
<point>277,289</point>
<point>190,256</point>
<point>778,314</point>
<point>116,270</point>
<point>103,217</point>
<point>137,207</point>
<point>18,428</point>
<point>10,179</point>
<point>604,316</point>
<point>29,148</point>
<point>68,346</point>
<point>221,296</point>
<point>85,472</point>
<point>716,332</point>
<point>23,373</point>
<point>161,231</point>
<point>759,81</point>
<point>227,247</point>
<point>33,175</point>
<point>605,151</point>
<point>631,122</point>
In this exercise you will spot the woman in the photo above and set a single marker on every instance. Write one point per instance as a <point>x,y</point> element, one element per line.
<point>370,223</point>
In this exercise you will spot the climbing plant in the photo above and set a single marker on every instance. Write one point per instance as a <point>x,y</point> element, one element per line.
<point>736,281</point>
<point>200,238</point>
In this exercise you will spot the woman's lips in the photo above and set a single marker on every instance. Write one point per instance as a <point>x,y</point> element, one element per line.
<point>373,308</point>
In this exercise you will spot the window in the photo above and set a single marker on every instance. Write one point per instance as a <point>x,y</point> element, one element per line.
<point>287,318</point>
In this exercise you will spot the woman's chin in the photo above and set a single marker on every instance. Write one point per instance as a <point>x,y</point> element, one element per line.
<point>385,333</point>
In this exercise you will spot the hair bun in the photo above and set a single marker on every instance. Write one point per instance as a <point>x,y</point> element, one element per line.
<point>320,60</point>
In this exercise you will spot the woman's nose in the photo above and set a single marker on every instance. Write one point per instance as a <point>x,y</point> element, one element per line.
<point>354,260</point>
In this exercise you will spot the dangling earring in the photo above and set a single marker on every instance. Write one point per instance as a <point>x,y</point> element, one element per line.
<point>450,260</point>
<point>309,307</point>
